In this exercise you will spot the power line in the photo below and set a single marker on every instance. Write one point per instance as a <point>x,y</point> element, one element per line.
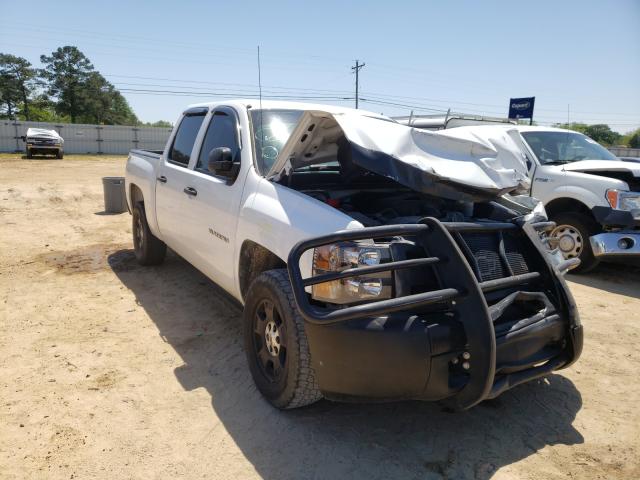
<point>179,81</point>
<point>377,96</point>
<point>240,94</point>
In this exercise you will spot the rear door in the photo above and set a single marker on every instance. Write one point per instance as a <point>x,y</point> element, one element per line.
<point>212,215</point>
<point>174,179</point>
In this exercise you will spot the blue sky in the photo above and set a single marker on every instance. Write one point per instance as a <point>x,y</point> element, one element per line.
<point>425,55</point>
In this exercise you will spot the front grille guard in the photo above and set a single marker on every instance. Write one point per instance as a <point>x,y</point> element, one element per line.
<point>464,294</point>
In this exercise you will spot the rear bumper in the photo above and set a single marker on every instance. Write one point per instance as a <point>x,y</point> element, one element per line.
<point>446,343</point>
<point>625,244</point>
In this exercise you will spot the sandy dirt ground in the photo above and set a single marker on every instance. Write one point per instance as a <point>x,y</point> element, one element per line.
<point>109,370</point>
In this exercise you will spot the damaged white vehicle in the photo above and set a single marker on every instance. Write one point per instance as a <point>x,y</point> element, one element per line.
<point>41,141</point>
<point>591,195</point>
<point>374,261</point>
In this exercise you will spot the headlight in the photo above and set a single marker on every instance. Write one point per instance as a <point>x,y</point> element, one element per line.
<point>622,200</point>
<point>341,256</point>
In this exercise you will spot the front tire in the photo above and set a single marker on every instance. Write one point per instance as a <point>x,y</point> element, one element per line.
<point>276,343</point>
<point>149,249</point>
<point>573,231</point>
<point>59,155</point>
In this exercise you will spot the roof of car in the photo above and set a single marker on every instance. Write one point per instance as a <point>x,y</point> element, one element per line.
<point>285,105</point>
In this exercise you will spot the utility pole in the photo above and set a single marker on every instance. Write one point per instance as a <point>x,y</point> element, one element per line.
<point>357,70</point>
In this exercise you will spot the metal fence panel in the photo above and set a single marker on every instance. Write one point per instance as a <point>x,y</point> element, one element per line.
<point>83,138</point>
<point>625,152</point>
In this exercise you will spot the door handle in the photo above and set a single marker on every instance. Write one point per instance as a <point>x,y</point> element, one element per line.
<point>162,179</point>
<point>190,191</point>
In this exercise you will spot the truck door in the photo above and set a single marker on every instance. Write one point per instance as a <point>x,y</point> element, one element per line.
<point>173,180</point>
<point>548,174</point>
<point>212,213</point>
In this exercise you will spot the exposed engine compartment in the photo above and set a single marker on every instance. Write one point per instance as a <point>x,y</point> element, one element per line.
<point>374,200</point>
<point>388,207</point>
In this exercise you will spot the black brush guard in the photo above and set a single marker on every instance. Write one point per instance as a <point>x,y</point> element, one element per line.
<point>464,295</point>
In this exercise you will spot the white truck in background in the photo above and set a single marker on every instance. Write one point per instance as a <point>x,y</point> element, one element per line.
<point>591,195</point>
<point>374,260</point>
<point>41,141</point>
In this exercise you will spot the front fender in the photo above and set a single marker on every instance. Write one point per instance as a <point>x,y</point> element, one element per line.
<point>277,218</point>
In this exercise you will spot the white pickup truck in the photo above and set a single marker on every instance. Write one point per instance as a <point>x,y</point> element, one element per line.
<point>592,196</point>
<point>374,260</point>
<point>42,141</point>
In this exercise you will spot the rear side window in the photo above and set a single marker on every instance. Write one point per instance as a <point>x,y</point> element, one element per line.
<point>222,132</point>
<point>180,152</point>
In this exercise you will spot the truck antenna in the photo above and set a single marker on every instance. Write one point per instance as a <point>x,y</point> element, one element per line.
<point>259,79</point>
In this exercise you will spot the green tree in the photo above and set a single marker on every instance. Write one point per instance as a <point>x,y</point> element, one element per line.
<point>600,132</point>
<point>17,84</point>
<point>103,104</point>
<point>83,93</point>
<point>159,123</point>
<point>42,109</point>
<point>576,127</point>
<point>67,71</point>
<point>632,139</point>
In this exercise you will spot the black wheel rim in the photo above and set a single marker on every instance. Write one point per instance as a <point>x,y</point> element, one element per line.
<point>270,347</point>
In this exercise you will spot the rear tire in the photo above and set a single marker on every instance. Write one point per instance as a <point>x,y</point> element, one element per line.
<point>149,249</point>
<point>573,230</point>
<point>276,343</point>
<point>29,154</point>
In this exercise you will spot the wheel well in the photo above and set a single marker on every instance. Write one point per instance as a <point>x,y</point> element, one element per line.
<point>135,195</point>
<point>255,259</point>
<point>561,205</point>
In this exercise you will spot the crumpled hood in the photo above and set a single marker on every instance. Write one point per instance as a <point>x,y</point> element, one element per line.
<point>587,166</point>
<point>43,133</point>
<point>460,166</point>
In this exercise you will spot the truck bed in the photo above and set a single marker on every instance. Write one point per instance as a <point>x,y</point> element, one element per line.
<point>146,153</point>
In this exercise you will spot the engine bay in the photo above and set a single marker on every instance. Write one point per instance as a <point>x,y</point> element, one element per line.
<point>387,207</point>
<point>374,200</point>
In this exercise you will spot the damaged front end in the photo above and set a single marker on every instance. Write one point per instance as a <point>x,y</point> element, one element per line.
<point>448,291</point>
<point>477,308</point>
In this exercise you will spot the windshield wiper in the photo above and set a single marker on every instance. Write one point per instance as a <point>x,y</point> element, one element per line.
<point>557,162</point>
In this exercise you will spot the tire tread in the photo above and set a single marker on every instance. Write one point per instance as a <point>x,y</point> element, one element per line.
<point>305,390</point>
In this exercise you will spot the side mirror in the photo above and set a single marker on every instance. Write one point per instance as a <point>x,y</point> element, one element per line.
<point>23,138</point>
<point>221,161</point>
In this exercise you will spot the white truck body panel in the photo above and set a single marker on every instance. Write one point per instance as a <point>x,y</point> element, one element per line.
<point>549,182</point>
<point>209,229</point>
<point>585,181</point>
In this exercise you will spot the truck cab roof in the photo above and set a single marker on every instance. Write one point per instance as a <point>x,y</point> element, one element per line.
<point>286,105</point>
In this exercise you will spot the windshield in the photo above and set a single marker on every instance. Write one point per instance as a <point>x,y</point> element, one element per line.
<point>271,130</point>
<point>565,147</point>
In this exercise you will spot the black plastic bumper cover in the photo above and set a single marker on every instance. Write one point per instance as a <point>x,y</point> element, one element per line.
<point>388,350</point>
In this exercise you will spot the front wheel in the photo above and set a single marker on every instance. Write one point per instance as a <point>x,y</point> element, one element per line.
<point>276,343</point>
<point>572,232</point>
<point>149,249</point>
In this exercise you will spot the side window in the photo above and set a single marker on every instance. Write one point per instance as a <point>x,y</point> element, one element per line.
<point>222,132</point>
<point>180,152</point>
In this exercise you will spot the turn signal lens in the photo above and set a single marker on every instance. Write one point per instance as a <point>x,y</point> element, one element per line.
<point>612,198</point>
